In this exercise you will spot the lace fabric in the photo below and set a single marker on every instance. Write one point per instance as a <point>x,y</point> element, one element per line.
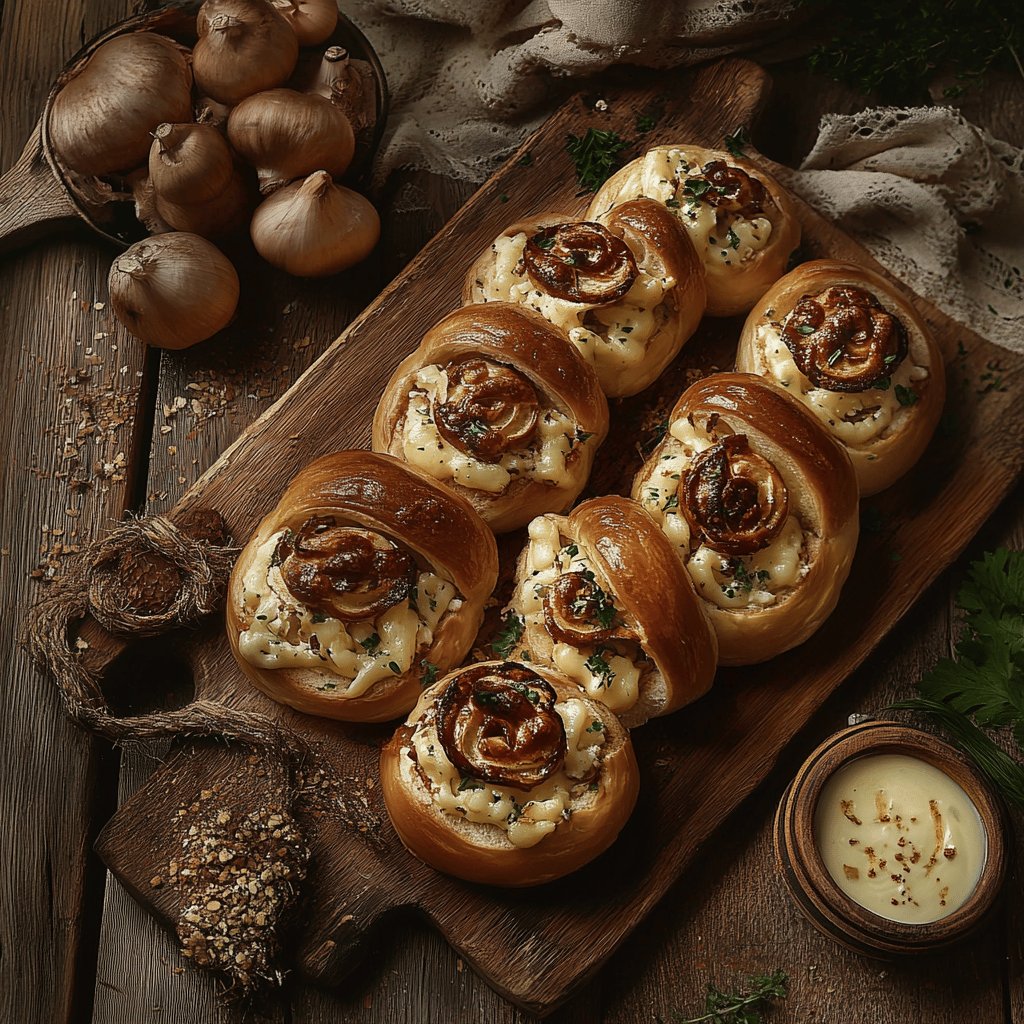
<point>936,200</point>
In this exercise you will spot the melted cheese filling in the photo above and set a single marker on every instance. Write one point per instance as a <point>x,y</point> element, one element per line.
<point>610,337</point>
<point>526,817</point>
<point>606,672</point>
<point>422,445</point>
<point>729,581</point>
<point>283,633</point>
<point>855,418</point>
<point>722,238</point>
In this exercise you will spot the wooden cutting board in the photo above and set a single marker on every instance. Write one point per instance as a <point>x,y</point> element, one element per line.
<point>537,946</point>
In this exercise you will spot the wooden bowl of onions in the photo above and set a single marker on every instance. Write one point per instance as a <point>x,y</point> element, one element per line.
<point>190,121</point>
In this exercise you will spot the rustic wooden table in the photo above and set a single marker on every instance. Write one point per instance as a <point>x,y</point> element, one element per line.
<point>94,425</point>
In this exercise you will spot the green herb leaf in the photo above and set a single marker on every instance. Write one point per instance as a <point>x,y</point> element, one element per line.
<point>906,396</point>
<point>735,142</point>
<point>371,643</point>
<point>595,154</point>
<point>734,239</point>
<point>600,668</point>
<point>986,680</point>
<point>430,671</point>
<point>742,1007</point>
<point>467,782</point>
<point>644,123</point>
<point>509,635</point>
<point>804,329</point>
<point>595,726</point>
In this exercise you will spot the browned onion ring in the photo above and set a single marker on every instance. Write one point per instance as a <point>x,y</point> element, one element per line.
<point>734,500</point>
<point>844,339</point>
<point>580,262</point>
<point>490,409</point>
<point>498,724</point>
<point>577,611</point>
<point>344,572</point>
<point>727,188</point>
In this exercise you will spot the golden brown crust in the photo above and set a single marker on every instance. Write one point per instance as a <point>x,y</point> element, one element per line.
<point>823,495</point>
<point>382,494</point>
<point>483,853</point>
<point>882,460</point>
<point>657,241</point>
<point>730,289</point>
<point>506,334</point>
<point>654,589</point>
<point>654,595</point>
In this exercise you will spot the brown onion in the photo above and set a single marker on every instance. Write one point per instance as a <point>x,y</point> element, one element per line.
<point>189,163</point>
<point>733,499</point>
<point>173,290</point>
<point>102,118</point>
<point>498,723</point>
<point>312,21</point>
<point>346,572</point>
<point>489,410</point>
<point>844,339</point>
<point>312,228</point>
<point>580,262</point>
<point>286,135</point>
<point>223,215</point>
<point>244,47</point>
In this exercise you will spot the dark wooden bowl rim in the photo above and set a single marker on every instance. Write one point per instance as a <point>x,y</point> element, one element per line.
<point>880,737</point>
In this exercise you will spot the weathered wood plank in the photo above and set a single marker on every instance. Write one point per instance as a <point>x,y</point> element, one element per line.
<point>74,383</point>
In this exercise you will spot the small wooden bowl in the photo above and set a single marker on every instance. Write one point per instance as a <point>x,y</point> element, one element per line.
<point>821,900</point>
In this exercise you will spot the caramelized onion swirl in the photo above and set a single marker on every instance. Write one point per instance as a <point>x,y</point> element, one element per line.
<point>729,189</point>
<point>498,724</point>
<point>577,611</point>
<point>342,571</point>
<point>844,339</point>
<point>489,409</point>
<point>580,262</point>
<point>734,500</point>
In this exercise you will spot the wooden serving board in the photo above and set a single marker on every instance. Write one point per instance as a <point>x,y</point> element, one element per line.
<point>536,946</point>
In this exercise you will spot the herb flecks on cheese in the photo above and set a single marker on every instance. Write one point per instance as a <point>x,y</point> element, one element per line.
<point>544,459</point>
<point>282,633</point>
<point>734,582</point>
<point>526,817</point>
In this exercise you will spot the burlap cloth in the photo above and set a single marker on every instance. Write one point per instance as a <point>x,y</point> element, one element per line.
<point>936,200</point>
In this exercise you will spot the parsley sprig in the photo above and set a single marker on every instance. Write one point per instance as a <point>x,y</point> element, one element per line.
<point>511,632</point>
<point>983,685</point>
<point>743,1007</point>
<point>596,154</point>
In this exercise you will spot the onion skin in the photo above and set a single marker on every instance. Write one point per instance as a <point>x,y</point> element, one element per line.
<point>101,121</point>
<point>174,290</point>
<point>313,228</point>
<point>286,135</point>
<point>189,163</point>
<point>312,21</point>
<point>244,47</point>
<point>223,215</point>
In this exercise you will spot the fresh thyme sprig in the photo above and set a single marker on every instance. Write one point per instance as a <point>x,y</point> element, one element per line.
<point>744,1007</point>
<point>984,684</point>
<point>894,49</point>
<point>596,154</point>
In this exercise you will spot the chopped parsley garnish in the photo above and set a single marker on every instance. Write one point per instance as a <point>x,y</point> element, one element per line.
<point>595,726</point>
<point>595,154</point>
<point>503,197</point>
<point>509,635</point>
<point>883,384</point>
<point>673,203</point>
<point>319,617</point>
<point>600,668</point>
<point>583,436</point>
<point>804,329</point>
<point>743,579</point>
<point>694,188</point>
<point>734,239</point>
<point>672,502</point>
<point>906,396</point>
<point>543,241</point>
<point>644,123</point>
<point>467,782</point>
<point>430,671</point>
<point>370,643</point>
<point>735,142</point>
<point>571,550</point>
<point>476,429</point>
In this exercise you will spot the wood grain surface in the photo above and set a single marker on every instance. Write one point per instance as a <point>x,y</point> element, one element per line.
<point>728,914</point>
